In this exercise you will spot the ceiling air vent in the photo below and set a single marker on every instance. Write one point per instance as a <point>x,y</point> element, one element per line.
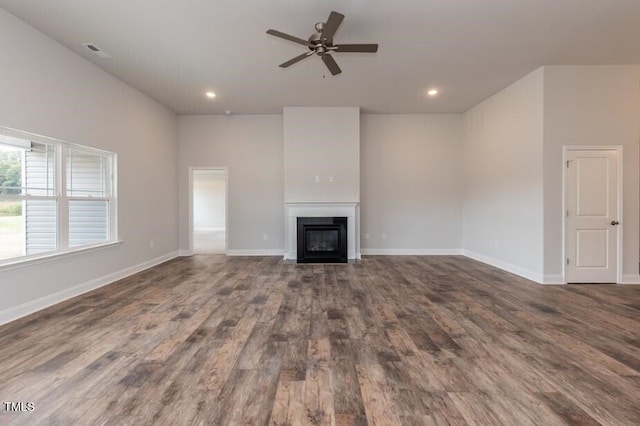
<point>96,50</point>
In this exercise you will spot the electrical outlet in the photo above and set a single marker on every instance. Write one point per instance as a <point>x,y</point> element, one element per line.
<point>384,235</point>
<point>265,236</point>
<point>317,179</point>
<point>152,244</point>
<point>331,179</point>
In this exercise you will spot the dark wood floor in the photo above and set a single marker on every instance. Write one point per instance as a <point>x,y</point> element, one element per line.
<point>389,340</point>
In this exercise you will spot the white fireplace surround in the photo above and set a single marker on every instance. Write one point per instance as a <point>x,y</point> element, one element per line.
<point>321,209</point>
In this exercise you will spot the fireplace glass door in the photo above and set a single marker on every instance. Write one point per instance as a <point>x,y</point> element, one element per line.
<point>322,239</point>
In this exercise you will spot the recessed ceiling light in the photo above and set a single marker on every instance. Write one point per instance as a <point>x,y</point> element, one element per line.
<point>432,92</point>
<point>210,94</point>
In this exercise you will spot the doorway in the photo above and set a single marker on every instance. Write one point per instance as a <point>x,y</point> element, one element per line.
<point>593,214</point>
<point>209,210</point>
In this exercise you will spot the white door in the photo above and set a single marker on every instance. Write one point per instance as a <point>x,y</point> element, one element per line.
<point>592,216</point>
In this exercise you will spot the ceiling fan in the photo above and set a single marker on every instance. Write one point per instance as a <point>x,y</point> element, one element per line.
<point>321,43</point>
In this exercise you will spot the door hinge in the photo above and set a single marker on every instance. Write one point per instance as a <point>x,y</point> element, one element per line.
<point>567,260</point>
<point>567,213</point>
<point>568,161</point>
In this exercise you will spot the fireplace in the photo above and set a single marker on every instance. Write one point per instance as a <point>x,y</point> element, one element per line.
<point>322,239</point>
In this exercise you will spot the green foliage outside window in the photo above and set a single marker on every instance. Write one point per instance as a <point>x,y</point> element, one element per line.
<point>10,208</point>
<point>10,172</point>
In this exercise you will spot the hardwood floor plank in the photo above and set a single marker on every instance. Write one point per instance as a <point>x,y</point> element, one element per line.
<point>347,397</point>
<point>288,406</point>
<point>379,406</point>
<point>568,411</point>
<point>475,408</point>
<point>318,402</point>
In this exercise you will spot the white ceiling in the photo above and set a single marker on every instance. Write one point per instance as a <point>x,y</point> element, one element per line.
<point>174,50</point>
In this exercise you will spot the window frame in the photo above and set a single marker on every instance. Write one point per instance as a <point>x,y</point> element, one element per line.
<point>60,196</point>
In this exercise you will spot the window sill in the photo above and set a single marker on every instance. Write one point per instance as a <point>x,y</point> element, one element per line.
<point>57,255</point>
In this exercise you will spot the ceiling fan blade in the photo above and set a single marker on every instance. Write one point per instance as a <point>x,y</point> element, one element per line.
<point>331,26</point>
<point>331,64</point>
<point>296,59</point>
<point>288,37</point>
<point>364,48</point>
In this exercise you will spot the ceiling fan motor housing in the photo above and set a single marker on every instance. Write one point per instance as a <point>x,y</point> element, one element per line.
<point>315,40</point>
<point>320,45</point>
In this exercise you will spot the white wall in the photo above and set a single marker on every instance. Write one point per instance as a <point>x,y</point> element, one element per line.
<point>49,90</point>
<point>208,200</point>
<point>321,154</point>
<point>411,184</point>
<point>251,147</point>
<point>590,105</point>
<point>503,214</point>
<point>411,189</point>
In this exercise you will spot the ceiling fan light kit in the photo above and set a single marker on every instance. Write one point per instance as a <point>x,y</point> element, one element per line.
<point>321,43</point>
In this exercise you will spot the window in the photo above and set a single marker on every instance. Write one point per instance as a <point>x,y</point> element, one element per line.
<point>45,210</point>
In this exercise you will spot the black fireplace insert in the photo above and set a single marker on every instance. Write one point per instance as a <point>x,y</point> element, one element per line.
<point>322,239</point>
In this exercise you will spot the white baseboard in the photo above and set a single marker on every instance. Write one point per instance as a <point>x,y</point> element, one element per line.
<point>553,279</point>
<point>30,307</point>
<point>409,252</point>
<point>208,229</point>
<point>525,273</point>
<point>630,279</point>
<point>265,252</point>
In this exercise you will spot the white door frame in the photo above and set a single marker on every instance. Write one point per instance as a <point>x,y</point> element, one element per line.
<point>226,203</point>
<point>565,152</point>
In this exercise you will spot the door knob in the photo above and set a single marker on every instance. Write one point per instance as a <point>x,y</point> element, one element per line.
<point>614,222</point>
